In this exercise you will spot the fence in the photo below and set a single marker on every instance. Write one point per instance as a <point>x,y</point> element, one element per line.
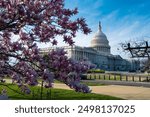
<point>119,77</point>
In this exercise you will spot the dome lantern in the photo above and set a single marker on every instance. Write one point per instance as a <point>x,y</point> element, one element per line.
<point>100,42</point>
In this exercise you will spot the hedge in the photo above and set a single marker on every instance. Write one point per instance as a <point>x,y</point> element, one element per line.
<point>96,71</point>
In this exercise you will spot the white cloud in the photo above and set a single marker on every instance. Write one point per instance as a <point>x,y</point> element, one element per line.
<point>118,29</point>
<point>126,29</point>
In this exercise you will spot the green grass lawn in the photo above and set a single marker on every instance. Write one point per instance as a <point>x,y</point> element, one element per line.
<point>92,83</point>
<point>52,94</point>
<point>87,83</point>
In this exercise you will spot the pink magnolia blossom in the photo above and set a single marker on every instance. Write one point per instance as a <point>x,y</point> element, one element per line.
<point>3,95</point>
<point>39,21</point>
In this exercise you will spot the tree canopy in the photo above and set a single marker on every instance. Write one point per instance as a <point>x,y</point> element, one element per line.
<point>39,21</point>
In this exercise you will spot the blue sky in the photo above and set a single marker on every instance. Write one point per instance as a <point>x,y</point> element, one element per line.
<point>122,20</point>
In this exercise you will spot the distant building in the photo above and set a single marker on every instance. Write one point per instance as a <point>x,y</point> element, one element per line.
<point>99,54</point>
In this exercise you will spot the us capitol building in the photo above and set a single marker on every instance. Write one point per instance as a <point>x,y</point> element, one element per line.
<point>99,54</point>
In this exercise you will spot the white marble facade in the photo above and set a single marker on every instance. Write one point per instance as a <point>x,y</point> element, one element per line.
<point>99,54</point>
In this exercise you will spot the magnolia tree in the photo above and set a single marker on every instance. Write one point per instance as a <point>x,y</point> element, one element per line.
<point>39,21</point>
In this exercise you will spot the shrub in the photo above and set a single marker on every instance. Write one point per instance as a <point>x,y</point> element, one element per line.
<point>83,77</point>
<point>96,71</point>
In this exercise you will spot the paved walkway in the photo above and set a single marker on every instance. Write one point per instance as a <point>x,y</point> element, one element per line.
<point>125,92</point>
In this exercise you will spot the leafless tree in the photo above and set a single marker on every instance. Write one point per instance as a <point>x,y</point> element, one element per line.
<point>139,49</point>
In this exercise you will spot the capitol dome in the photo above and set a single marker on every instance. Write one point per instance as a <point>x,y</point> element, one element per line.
<point>100,42</point>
